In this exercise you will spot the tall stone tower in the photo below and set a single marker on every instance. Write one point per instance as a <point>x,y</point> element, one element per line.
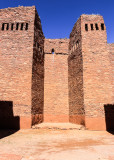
<point>21,67</point>
<point>89,72</point>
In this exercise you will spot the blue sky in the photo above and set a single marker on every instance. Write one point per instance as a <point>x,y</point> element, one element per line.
<point>59,16</point>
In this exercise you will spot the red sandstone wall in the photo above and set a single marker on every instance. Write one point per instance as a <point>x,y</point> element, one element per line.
<point>96,72</point>
<point>38,73</point>
<point>56,108</point>
<point>90,74</point>
<point>111,58</point>
<point>59,45</point>
<point>16,52</point>
<point>75,76</point>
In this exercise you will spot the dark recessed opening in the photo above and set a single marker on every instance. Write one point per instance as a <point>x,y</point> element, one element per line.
<point>3,26</point>
<point>102,26</point>
<point>77,44</point>
<point>12,26</point>
<point>91,26</point>
<point>52,51</point>
<point>26,28</point>
<point>7,27</point>
<point>86,27</point>
<point>17,26</point>
<point>7,118</point>
<point>22,24</point>
<point>96,26</point>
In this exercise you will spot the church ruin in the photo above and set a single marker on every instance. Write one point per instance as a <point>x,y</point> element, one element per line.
<point>54,80</point>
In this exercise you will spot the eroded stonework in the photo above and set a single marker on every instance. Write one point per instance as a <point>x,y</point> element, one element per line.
<point>54,80</point>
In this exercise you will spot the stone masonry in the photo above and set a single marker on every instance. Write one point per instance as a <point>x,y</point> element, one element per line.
<point>54,80</point>
<point>21,63</point>
<point>90,82</point>
<point>56,107</point>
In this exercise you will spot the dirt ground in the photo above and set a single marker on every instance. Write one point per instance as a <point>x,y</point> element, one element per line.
<point>51,144</point>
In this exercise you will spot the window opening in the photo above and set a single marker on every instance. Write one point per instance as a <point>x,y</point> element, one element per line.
<point>17,26</point>
<point>52,51</point>
<point>3,26</point>
<point>7,27</point>
<point>91,26</point>
<point>26,28</point>
<point>102,26</point>
<point>96,26</point>
<point>22,24</point>
<point>86,27</point>
<point>12,26</point>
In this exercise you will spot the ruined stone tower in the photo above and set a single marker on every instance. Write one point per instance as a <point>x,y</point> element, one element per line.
<point>21,65</point>
<point>54,80</point>
<point>90,86</point>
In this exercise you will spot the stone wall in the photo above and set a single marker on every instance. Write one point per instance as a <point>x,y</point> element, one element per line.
<point>54,80</point>
<point>75,76</point>
<point>56,108</point>
<point>111,58</point>
<point>90,73</point>
<point>22,64</point>
<point>16,51</point>
<point>59,45</point>
<point>38,73</point>
<point>96,71</point>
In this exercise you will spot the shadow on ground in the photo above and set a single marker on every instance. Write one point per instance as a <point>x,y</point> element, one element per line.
<point>9,123</point>
<point>109,117</point>
<point>4,133</point>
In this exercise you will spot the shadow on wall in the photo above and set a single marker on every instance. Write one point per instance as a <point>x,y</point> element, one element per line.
<point>8,123</point>
<point>109,117</point>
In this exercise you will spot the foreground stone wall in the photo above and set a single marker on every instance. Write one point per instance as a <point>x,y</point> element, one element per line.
<point>56,108</point>
<point>96,71</point>
<point>21,66</point>
<point>16,51</point>
<point>90,72</point>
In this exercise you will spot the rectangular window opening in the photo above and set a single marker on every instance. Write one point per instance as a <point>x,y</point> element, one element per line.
<point>22,25</point>
<point>26,28</point>
<point>17,26</point>
<point>96,26</point>
<point>86,27</point>
<point>12,26</point>
<point>91,26</point>
<point>102,26</point>
<point>7,27</point>
<point>3,26</point>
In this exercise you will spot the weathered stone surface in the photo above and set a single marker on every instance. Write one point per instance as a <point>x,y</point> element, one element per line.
<point>55,80</point>
<point>19,70</point>
<point>59,45</point>
<point>93,72</point>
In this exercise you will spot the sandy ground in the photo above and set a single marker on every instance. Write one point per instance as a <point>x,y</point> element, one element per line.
<point>50,144</point>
